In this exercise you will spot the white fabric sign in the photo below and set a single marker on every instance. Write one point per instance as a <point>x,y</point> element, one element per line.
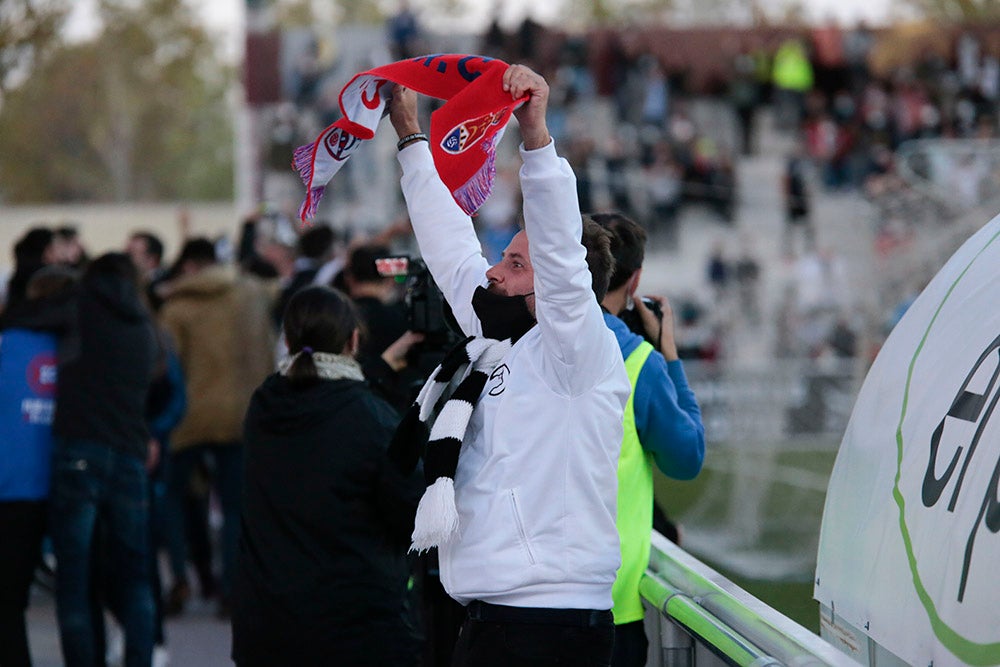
<point>909,547</point>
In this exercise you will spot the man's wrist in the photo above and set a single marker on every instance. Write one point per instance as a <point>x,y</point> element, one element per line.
<point>410,138</point>
<point>535,140</point>
<point>407,128</point>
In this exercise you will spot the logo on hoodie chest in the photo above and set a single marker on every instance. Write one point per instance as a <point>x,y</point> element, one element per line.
<point>496,384</point>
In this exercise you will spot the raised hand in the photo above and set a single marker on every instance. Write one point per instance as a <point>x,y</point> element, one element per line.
<point>519,81</point>
<point>403,111</point>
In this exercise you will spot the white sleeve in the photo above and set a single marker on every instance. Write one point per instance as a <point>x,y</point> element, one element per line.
<point>574,333</point>
<point>445,234</point>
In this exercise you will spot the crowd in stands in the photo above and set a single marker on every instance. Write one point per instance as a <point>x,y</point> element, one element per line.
<point>625,111</point>
<point>850,106</point>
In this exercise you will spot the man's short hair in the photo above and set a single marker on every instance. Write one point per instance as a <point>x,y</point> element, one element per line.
<point>601,262</point>
<point>154,246</point>
<point>316,242</point>
<point>67,232</point>
<point>199,250</point>
<point>361,264</point>
<point>628,245</point>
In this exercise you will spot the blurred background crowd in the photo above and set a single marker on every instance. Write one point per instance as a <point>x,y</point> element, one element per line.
<point>800,179</point>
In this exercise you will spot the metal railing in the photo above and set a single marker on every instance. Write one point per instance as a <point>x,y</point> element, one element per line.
<point>697,617</point>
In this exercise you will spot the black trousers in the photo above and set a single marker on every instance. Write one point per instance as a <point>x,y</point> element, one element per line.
<point>499,636</point>
<point>22,527</point>
<point>631,645</point>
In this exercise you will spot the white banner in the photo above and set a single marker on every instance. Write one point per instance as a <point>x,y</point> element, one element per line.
<point>909,548</point>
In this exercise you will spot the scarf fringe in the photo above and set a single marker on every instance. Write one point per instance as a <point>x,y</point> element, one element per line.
<point>436,521</point>
<point>302,162</point>
<point>310,204</point>
<point>475,191</point>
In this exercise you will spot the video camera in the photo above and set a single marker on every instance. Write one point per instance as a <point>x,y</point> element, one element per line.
<point>427,310</point>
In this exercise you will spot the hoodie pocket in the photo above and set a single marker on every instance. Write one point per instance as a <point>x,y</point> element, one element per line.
<point>519,526</point>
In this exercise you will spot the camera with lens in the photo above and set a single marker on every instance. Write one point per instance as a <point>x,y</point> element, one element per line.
<point>631,318</point>
<point>427,310</point>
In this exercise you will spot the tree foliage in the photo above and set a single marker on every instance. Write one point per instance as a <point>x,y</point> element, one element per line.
<point>139,113</point>
<point>28,28</point>
<point>958,10</point>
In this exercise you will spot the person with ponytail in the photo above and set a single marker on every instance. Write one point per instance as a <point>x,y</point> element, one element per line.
<point>327,509</point>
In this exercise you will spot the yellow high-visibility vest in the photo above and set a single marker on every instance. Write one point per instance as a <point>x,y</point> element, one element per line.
<point>635,504</point>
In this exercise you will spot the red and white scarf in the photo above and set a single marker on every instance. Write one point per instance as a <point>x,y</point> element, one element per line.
<point>464,131</point>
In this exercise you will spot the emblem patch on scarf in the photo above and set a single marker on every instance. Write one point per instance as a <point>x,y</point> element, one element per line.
<point>468,134</point>
<point>464,131</point>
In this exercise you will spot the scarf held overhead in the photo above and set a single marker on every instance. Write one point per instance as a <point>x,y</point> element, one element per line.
<point>464,131</point>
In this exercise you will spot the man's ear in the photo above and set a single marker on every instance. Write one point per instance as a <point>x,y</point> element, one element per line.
<point>632,284</point>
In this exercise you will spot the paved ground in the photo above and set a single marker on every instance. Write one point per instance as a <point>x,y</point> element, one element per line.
<point>198,639</point>
<point>195,639</point>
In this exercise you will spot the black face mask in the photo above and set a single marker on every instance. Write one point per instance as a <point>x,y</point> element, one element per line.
<point>502,316</point>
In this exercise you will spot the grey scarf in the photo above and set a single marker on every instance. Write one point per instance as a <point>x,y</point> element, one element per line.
<point>328,366</point>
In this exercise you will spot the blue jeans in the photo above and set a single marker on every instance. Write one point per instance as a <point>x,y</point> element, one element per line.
<point>97,490</point>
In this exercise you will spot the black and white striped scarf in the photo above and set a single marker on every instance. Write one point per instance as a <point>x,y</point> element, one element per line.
<point>465,368</point>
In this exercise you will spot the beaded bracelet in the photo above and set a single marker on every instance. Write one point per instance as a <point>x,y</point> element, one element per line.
<point>409,139</point>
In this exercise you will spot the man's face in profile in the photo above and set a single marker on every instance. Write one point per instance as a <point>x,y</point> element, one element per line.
<point>513,274</point>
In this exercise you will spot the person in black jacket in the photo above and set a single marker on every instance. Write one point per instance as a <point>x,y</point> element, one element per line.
<point>327,509</point>
<point>99,496</point>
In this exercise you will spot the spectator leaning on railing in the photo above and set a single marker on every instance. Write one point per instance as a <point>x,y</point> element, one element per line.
<point>662,425</point>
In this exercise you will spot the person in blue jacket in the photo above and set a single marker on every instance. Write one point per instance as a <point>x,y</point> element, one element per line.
<point>662,423</point>
<point>28,347</point>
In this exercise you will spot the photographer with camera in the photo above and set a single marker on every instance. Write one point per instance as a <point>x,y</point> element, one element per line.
<point>662,423</point>
<point>532,444</point>
<point>387,338</point>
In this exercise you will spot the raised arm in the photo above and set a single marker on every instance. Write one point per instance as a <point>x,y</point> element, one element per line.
<point>520,81</point>
<point>445,234</point>
<point>573,328</point>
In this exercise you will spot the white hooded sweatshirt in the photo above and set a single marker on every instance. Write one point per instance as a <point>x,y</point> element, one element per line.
<point>537,476</point>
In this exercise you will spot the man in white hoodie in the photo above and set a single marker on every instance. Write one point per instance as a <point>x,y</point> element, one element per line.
<point>536,550</point>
